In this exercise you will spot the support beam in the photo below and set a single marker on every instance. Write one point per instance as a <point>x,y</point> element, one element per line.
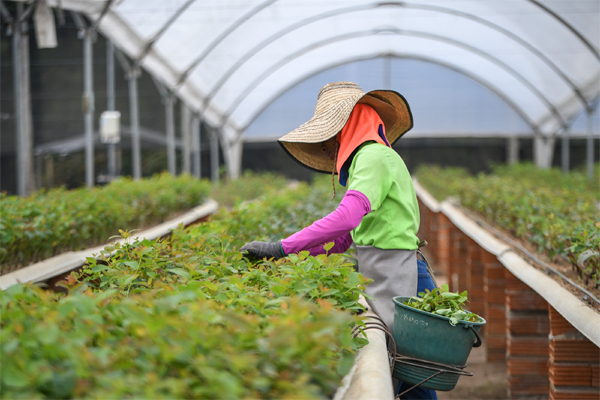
<point>543,151</point>
<point>136,156</point>
<point>214,156</point>
<point>590,142</point>
<point>186,125</point>
<point>110,104</point>
<point>512,150</point>
<point>88,104</point>
<point>24,124</point>
<point>196,140</point>
<point>566,146</point>
<point>169,101</point>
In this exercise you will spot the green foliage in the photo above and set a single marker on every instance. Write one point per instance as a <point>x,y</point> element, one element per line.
<point>250,186</point>
<point>559,213</point>
<point>180,345</point>
<point>58,220</point>
<point>190,317</point>
<point>442,302</point>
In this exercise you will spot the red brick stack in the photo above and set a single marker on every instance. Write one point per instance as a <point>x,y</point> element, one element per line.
<point>527,340</point>
<point>494,311</point>
<point>574,366</point>
<point>474,278</point>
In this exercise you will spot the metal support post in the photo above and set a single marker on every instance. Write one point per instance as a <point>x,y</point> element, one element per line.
<point>590,143</point>
<point>512,155</point>
<point>88,105</point>
<point>110,103</point>
<point>196,169</point>
<point>565,156</point>
<point>186,122</point>
<point>214,156</point>
<point>387,72</point>
<point>169,101</point>
<point>136,156</point>
<point>24,124</point>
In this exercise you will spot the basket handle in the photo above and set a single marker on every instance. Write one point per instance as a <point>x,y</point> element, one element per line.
<point>478,341</point>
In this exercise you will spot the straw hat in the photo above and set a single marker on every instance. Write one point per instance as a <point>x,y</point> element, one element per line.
<point>334,106</point>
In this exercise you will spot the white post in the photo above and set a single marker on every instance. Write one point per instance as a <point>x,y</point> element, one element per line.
<point>565,156</point>
<point>24,124</point>
<point>88,104</point>
<point>512,150</point>
<point>186,122</point>
<point>136,156</point>
<point>590,143</point>
<point>169,100</point>
<point>543,151</point>
<point>110,103</point>
<point>214,156</point>
<point>196,156</point>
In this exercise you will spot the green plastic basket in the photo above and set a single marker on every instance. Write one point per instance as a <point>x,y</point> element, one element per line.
<point>430,337</point>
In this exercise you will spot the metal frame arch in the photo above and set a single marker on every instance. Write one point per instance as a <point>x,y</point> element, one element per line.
<point>160,32</point>
<point>570,27</point>
<point>232,27</point>
<point>334,39</point>
<point>274,37</point>
<point>400,56</point>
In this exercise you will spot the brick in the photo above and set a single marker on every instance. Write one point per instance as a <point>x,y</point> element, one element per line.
<point>495,341</point>
<point>567,374</point>
<point>498,327</point>
<point>495,297</point>
<point>574,394</point>
<point>496,355</point>
<point>533,325</point>
<point>558,324</point>
<point>525,345</point>
<point>527,385</point>
<point>514,283</point>
<point>526,301</point>
<point>495,273</point>
<point>579,350</point>
<point>496,314</point>
<point>527,366</point>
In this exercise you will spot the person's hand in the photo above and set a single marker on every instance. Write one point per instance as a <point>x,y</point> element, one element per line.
<point>263,249</point>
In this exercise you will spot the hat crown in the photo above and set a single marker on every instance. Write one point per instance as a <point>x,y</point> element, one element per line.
<point>333,93</point>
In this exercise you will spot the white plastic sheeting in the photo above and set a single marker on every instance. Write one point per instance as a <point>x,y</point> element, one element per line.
<point>229,59</point>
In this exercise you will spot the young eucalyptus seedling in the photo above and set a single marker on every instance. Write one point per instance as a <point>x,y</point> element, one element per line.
<point>443,302</point>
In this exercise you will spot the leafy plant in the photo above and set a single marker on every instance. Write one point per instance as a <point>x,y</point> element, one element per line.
<point>442,302</point>
<point>556,212</point>
<point>190,317</point>
<point>58,220</point>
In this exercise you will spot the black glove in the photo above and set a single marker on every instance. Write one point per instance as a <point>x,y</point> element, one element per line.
<point>263,249</point>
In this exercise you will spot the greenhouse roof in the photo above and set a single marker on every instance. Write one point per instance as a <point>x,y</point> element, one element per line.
<point>230,59</point>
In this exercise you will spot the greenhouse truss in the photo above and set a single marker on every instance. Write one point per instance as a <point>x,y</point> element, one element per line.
<point>228,60</point>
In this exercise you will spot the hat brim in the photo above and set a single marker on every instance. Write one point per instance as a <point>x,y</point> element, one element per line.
<point>303,143</point>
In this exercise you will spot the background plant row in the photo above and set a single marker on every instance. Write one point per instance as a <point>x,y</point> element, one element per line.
<point>58,220</point>
<point>559,213</point>
<point>189,317</point>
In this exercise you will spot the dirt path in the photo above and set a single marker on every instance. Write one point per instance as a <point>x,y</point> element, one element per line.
<point>488,380</point>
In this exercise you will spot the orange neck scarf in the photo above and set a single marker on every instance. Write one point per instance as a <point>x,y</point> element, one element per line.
<point>362,126</point>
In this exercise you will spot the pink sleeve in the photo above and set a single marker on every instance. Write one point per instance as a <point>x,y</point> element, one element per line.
<point>340,245</point>
<point>353,207</point>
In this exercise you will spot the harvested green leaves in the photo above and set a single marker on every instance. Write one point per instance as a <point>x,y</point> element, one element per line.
<point>442,302</point>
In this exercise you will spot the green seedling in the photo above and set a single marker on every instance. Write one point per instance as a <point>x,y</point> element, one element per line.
<point>442,302</point>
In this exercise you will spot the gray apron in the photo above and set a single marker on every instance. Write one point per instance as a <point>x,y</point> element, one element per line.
<point>394,273</point>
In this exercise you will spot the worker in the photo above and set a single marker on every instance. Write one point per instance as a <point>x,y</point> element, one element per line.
<point>351,135</point>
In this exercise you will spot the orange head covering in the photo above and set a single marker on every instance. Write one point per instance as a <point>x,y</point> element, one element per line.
<point>364,124</point>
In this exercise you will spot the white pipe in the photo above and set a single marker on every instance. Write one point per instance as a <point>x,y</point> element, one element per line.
<point>370,377</point>
<point>582,317</point>
<point>65,262</point>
